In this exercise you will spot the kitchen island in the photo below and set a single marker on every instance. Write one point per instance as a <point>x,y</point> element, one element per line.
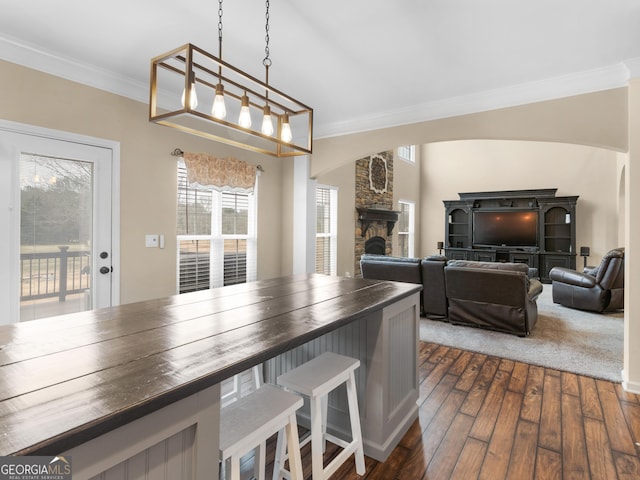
<point>136,388</point>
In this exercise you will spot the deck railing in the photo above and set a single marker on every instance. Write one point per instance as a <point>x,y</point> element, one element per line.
<point>54,274</point>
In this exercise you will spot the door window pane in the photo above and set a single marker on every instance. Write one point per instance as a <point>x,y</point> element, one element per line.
<point>56,228</point>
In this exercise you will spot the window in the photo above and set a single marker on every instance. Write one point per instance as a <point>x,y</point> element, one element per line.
<point>326,230</point>
<point>406,228</point>
<point>216,237</point>
<point>407,153</point>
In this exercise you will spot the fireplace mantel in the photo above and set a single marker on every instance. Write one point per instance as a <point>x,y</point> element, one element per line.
<point>369,215</point>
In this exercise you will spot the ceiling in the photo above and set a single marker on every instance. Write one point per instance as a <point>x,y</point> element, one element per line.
<point>361,64</point>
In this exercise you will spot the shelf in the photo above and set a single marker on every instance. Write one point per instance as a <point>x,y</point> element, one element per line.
<point>370,215</point>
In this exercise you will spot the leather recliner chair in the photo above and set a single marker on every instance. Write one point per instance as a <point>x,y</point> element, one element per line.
<point>597,290</point>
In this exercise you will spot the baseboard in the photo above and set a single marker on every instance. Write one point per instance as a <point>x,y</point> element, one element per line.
<point>631,387</point>
<point>381,451</point>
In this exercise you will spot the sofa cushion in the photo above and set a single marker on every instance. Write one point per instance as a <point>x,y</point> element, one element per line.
<point>399,269</point>
<point>386,258</point>
<point>512,267</point>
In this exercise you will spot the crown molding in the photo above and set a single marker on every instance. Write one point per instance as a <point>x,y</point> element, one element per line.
<point>614,76</point>
<point>589,81</point>
<point>633,66</point>
<point>37,58</point>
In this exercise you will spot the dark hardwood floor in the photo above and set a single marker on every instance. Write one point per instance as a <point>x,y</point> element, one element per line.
<point>483,417</point>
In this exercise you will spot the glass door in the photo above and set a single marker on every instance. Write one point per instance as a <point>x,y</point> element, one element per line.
<point>59,247</point>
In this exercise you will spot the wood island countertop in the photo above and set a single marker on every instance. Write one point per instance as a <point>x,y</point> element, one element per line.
<point>69,379</point>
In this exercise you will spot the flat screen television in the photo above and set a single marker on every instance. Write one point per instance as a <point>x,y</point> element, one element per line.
<point>510,228</point>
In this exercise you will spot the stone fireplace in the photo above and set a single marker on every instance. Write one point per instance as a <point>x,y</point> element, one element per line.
<point>375,217</point>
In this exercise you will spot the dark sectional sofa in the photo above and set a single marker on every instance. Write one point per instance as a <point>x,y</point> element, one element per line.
<point>426,271</point>
<point>497,296</point>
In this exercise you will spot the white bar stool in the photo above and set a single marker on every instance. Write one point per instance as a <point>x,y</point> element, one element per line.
<point>248,422</point>
<point>315,379</point>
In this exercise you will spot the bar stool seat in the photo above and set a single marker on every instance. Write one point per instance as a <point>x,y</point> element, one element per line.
<point>248,422</point>
<point>315,379</point>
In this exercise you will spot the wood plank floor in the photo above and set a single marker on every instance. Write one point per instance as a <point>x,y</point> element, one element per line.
<point>483,417</point>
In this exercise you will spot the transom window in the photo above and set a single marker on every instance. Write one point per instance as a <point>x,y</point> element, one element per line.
<point>407,153</point>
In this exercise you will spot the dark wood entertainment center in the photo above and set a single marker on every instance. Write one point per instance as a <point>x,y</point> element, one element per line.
<point>554,244</point>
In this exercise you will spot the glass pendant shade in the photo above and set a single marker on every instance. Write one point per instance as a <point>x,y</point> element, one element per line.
<point>193,101</point>
<point>285,133</point>
<point>219,110</point>
<point>244,119</point>
<point>267,123</point>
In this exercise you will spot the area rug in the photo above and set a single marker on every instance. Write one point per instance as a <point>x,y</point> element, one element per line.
<point>563,338</point>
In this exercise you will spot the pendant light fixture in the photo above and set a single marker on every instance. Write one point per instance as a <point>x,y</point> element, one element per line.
<point>229,98</point>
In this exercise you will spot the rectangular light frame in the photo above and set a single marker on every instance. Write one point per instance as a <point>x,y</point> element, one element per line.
<point>170,75</point>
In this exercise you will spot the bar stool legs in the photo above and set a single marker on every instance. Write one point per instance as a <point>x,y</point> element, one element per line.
<point>315,379</point>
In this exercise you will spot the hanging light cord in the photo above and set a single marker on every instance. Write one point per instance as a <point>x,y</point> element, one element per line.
<point>220,39</point>
<point>267,61</point>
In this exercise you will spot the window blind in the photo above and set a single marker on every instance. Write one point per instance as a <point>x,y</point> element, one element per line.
<point>326,230</point>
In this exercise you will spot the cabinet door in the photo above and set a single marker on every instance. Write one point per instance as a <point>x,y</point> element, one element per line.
<point>528,258</point>
<point>550,261</point>
<point>483,256</point>
<point>456,254</point>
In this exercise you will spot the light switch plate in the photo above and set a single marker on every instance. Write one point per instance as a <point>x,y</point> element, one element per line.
<point>151,241</point>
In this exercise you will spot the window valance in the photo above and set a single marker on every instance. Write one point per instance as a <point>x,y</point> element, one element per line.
<point>223,174</point>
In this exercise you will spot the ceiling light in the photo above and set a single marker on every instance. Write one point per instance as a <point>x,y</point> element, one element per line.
<point>233,98</point>
<point>193,96</point>
<point>244,119</point>
<point>219,110</point>
<point>285,130</point>
<point>267,123</point>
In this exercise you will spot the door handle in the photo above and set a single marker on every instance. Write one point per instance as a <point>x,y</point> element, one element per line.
<point>105,270</point>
